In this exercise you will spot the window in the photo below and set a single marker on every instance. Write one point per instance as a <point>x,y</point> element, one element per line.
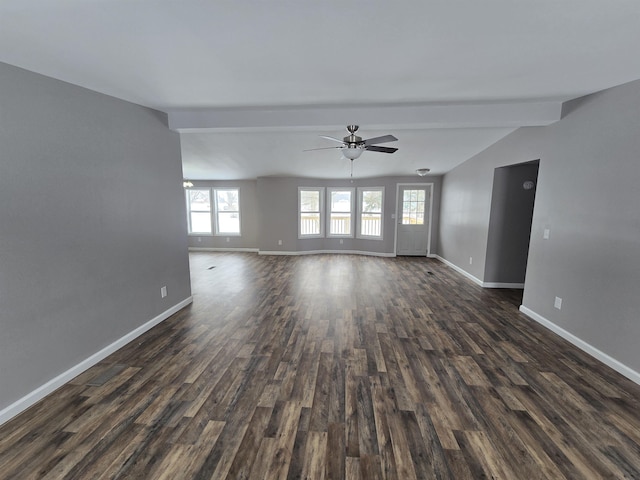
<point>310,212</point>
<point>370,202</point>
<point>227,211</point>
<point>340,208</point>
<point>199,210</point>
<point>413,207</point>
<point>223,212</point>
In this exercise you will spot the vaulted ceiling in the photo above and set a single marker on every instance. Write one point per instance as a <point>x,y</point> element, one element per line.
<point>250,84</point>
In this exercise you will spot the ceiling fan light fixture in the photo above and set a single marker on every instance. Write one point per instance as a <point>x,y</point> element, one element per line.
<point>352,145</point>
<point>423,171</point>
<point>352,151</point>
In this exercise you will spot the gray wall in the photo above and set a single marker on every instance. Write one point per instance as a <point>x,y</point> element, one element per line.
<point>92,225</point>
<point>588,196</point>
<point>248,217</point>
<point>466,199</point>
<point>278,218</point>
<point>510,224</point>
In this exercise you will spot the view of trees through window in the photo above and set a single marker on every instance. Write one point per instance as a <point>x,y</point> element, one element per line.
<point>228,211</point>
<point>217,211</point>
<point>199,206</point>
<point>201,209</point>
<point>413,207</point>
<point>371,213</point>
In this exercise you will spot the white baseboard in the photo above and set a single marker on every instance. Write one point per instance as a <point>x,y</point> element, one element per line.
<point>461,271</point>
<point>317,252</point>
<point>215,249</point>
<point>502,285</point>
<point>584,346</point>
<point>42,391</point>
<point>476,280</point>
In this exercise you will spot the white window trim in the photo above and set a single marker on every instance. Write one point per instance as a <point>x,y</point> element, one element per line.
<point>188,205</point>
<point>351,212</point>
<point>359,235</point>
<point>321,206</point>
<point>214,212</point>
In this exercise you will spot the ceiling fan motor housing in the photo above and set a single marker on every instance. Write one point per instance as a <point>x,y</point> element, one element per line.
<point>353,138</point>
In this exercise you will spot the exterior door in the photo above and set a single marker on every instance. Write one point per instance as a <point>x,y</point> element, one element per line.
<point>413,217</point>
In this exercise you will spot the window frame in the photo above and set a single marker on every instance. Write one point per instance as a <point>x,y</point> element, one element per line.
<point>359,234</point>
<point>352,192</point>
<point>216,211</point>
<point>190,211</point>
<point>321,212</point>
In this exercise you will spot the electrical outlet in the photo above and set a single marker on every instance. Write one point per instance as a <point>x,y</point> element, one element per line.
<point>545,234</point>
<point>341,241</point>
<point>227,239</point>
<point>470,260</point>
<point>199,240</point>
<point>163,292</point>
<point>558,303</point>
<point>279,242</point>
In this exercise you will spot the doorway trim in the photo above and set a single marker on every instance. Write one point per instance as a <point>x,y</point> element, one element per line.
<point>394,216</point>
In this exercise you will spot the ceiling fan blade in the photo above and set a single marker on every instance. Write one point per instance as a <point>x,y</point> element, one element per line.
<point>332,138</point>
<point>375,148</point>
<point>322,148</point>
<point>382,139</point>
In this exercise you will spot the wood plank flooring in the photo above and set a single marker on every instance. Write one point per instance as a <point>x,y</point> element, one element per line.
<point>335,366</point>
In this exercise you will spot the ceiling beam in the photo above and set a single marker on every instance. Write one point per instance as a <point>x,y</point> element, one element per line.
<point>457,115</point>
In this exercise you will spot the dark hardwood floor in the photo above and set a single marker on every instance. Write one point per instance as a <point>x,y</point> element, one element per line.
<point>335,366</point>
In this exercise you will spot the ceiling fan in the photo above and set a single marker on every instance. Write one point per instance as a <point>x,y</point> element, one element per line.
<point>352,145</point>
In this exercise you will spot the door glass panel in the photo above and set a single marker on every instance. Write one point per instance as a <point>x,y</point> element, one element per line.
<point>413,207</point>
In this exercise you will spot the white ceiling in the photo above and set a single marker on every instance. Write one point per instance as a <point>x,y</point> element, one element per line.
<point>281,153</point>
<point>224,57</point>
